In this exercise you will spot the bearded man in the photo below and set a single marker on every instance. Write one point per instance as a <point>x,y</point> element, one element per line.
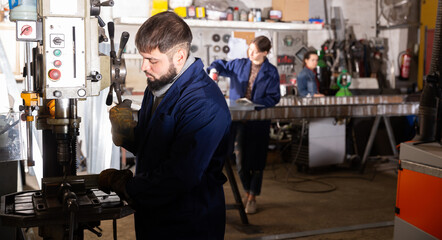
<point>180,140</point>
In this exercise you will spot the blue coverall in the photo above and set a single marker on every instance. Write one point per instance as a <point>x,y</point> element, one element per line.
<point>255,139</point>
<point>265,89</point>
<point>177,190</point>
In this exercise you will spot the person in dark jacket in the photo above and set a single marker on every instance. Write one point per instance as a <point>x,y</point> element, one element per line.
<point>308,84</point>
<point>256,79</point>
<point>180,140</point>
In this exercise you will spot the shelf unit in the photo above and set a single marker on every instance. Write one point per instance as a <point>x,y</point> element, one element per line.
<point>212,26</point>
<point>231,24</point>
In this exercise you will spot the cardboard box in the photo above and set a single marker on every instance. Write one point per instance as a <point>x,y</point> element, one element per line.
<point>292,10</point>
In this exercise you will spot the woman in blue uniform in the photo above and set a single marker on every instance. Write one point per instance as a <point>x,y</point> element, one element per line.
<point>308,84</point>
<point>256,79</point>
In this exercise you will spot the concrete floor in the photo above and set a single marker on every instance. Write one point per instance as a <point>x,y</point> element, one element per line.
<point>358,199</point>
<point>285,208</point>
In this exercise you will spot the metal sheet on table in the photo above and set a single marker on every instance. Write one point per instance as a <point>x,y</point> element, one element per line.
<point>281,113</point>
<point>359,106</point>
<point>353,100</point>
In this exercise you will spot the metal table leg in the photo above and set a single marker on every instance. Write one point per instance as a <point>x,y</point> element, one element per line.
<point>390,135</point>
<point>238,203</point>
<point>373,131</point>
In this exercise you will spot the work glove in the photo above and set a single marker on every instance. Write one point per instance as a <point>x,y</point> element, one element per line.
<point>123,124</point>
<point>115,180</point>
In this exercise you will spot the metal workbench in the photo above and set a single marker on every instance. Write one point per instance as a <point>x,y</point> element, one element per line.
<point>356,106</point>
<point>291,107</point>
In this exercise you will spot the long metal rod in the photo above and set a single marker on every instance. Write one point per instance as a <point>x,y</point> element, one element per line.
<point>29,143</point>
<point>29,86</point>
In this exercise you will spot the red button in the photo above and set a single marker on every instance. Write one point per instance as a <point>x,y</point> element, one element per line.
<point>54,74</point>
<point>57,63</point>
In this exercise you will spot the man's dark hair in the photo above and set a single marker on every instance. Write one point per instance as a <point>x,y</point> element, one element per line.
<point>307,56</point>
<point>262,43</point>
<point>163,31</point>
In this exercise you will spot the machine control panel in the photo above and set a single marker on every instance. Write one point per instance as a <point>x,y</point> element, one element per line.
<point>57,40</point>
<point>64,61</point>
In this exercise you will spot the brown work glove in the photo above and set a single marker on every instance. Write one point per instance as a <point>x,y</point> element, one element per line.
<point>123,124</point>
<point>114,180</point>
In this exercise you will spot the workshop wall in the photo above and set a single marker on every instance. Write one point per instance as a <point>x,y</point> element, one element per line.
<point>361,15</point>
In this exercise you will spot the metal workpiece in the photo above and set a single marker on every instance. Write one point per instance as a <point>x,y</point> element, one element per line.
<point>352,100</point>
<point>357,106</point>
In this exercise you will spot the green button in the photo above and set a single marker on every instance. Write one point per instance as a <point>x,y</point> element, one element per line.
<point>57,52</point>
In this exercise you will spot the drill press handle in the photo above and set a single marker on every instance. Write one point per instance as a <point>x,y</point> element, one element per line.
<point>118,65</point>
<point>123,41</point>
<point>111,30</point>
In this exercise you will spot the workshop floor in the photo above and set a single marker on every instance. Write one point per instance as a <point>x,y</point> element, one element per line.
<point>285,208</point>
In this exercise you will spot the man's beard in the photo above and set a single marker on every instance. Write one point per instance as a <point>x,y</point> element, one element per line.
<point>158,83</point>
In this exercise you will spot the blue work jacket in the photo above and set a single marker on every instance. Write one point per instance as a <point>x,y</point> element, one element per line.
<point>265,89</point>
<point>177,191</point>
<point>306,81</point>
